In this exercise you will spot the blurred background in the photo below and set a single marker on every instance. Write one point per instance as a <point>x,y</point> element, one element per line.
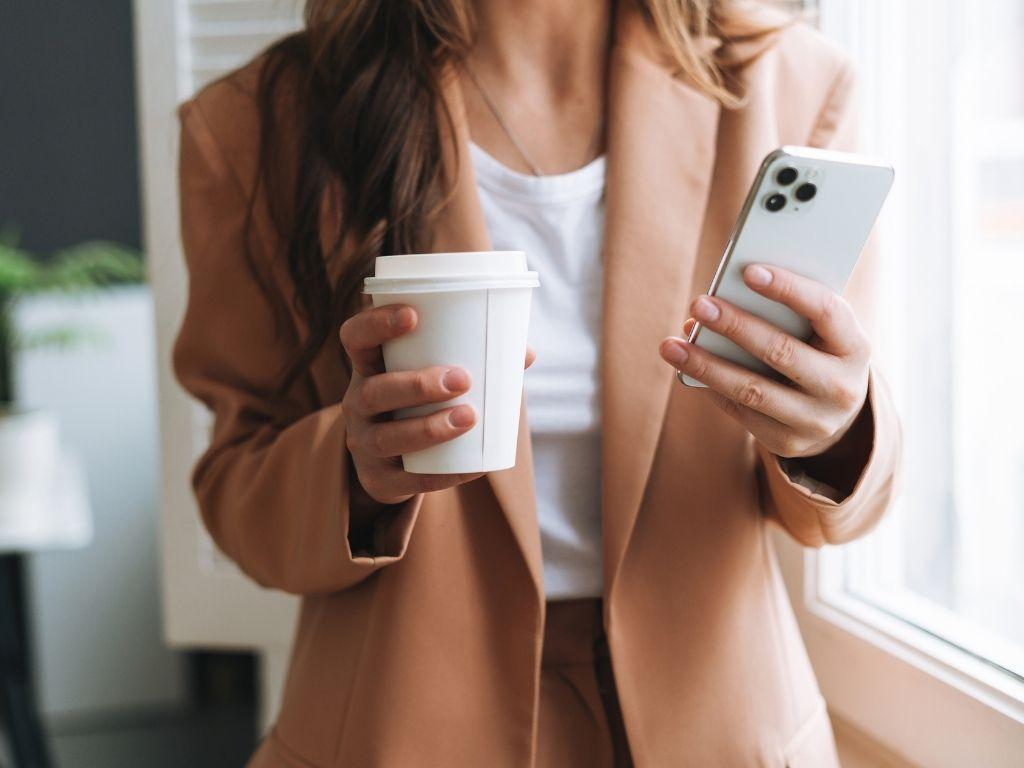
<point>110,689</point>
<point>127,640</point>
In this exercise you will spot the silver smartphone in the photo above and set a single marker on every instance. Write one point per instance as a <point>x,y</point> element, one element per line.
<point>809,211</point>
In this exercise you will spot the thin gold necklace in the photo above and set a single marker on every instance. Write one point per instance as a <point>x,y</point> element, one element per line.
<point>493,107</point>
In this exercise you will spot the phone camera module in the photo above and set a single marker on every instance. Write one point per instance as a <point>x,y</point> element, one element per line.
<point>775,203</point>
<point>786,176</point>
<point>806,192</point>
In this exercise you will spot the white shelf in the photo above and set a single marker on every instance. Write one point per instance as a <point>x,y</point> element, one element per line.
<point>64,523</point>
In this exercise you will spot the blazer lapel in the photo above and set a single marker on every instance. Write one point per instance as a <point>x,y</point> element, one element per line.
<point>661,153</point>
<point>461,227</point>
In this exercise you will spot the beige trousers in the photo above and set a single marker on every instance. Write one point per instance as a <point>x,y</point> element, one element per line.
<point>580,723</point>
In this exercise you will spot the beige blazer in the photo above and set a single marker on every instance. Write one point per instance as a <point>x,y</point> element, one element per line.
<point>426,651</point>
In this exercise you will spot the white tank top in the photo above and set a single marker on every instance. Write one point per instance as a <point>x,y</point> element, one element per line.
<point>559,222</point>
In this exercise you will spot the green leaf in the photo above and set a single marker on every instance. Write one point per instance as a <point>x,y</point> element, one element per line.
<point>19,272</point>
<point>93,264</point>
<point>78,269</point>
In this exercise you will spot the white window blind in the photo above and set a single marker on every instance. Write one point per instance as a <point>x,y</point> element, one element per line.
<point>217,36</point>
<point>182,45</point>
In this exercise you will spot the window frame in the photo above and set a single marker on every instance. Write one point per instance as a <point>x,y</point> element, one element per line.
<point>911,691</point>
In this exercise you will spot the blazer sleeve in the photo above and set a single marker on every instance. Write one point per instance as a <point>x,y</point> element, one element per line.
<point>273,486</point>
<point>817,517</point>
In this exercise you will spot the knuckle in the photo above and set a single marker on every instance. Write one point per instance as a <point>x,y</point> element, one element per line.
<point>788,447</point>
<point>434,428</point>
<point>846,397</point>
<point>781,351</point>
<point>731,323</point>
<point>345,334</point>
<point>430,483</point>
<point>832,304</point>
<point>366,397</point>
<point>821,429</point>
<point>698,365</point>
<point>350,330</point>
<point>377,486</point>
<point>750,393</point>
<point>421,385</point>
<point>860,346</point>
<point>379,441</point>
<point>351,443</point>
<point>783,284</point>
<point>369,481</point>
<point>346,410</point>
<point>731,407</point>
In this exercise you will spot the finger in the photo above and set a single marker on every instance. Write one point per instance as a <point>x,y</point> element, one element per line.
<point>831,317</point>
<point>782,403</point>
<point>531,355</point>
<point>801,363</point>
<point>400,483</point>
<point>768,431</point>
<point>390,391</point>
<point>428,483</point>
<point>393,438</point>
<point>362,335</point>
<point>688,326</point>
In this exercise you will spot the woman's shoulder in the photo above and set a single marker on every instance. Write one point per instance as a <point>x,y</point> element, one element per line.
<point>764,35</point>
<point>801,73</point>
<point>802,50</point>
<point>226,115</point>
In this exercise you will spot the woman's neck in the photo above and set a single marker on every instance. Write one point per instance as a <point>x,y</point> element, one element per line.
<point>555,43</point>
<point>543,62</point>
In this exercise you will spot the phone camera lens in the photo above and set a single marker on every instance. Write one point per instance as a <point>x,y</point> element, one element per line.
<point>786,176</point>
<point>775,202</point>
<point>806,192</point>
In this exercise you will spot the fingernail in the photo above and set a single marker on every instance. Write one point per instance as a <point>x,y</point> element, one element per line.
<point>675,352</point>
<point>455,380</point>
<point>757,276</point>
<point>705,310</point>
<point>402,318</point>
<point>461,417</point>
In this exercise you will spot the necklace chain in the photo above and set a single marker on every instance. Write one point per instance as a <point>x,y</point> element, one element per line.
<point>500,118</point>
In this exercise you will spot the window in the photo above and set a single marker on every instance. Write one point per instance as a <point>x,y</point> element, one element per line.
<point>917,631</point>
<point>951,559</point>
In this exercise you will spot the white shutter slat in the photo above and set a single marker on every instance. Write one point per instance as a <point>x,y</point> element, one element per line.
<point>221,35</point>
<point>246,11</point>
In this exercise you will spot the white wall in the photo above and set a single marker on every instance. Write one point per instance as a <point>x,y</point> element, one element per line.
<point>96,612</point>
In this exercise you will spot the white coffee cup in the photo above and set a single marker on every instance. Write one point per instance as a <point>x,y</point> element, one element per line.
<point>473,312</point>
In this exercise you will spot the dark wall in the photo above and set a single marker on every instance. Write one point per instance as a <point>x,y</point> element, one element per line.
<point>68,165</point>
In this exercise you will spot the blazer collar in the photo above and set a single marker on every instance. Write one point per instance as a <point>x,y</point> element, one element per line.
<point>661,151</point>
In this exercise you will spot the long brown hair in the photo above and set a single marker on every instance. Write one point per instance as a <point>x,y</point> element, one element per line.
<point>363,82</point>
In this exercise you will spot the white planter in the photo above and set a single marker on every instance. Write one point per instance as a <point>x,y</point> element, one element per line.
<point>29,460</point>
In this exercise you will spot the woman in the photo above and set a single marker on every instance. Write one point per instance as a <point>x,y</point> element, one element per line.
<point>476,621</point>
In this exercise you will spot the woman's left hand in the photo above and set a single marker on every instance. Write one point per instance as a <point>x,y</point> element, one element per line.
<point>829,374</point>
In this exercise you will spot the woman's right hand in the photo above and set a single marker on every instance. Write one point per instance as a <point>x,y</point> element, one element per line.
<point>374,440</point>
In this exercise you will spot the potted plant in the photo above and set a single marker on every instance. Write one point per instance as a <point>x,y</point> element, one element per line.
<point>29,447</point>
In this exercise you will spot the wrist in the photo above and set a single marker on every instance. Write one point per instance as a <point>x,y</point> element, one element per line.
<point>368,518</point>
<point>842,463</point>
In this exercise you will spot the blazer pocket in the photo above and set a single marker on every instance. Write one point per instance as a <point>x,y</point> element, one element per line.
<point>813,746</point>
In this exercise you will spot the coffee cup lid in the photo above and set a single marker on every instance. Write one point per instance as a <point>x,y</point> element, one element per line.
<point>445,283</point>
<point>450,264</point>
